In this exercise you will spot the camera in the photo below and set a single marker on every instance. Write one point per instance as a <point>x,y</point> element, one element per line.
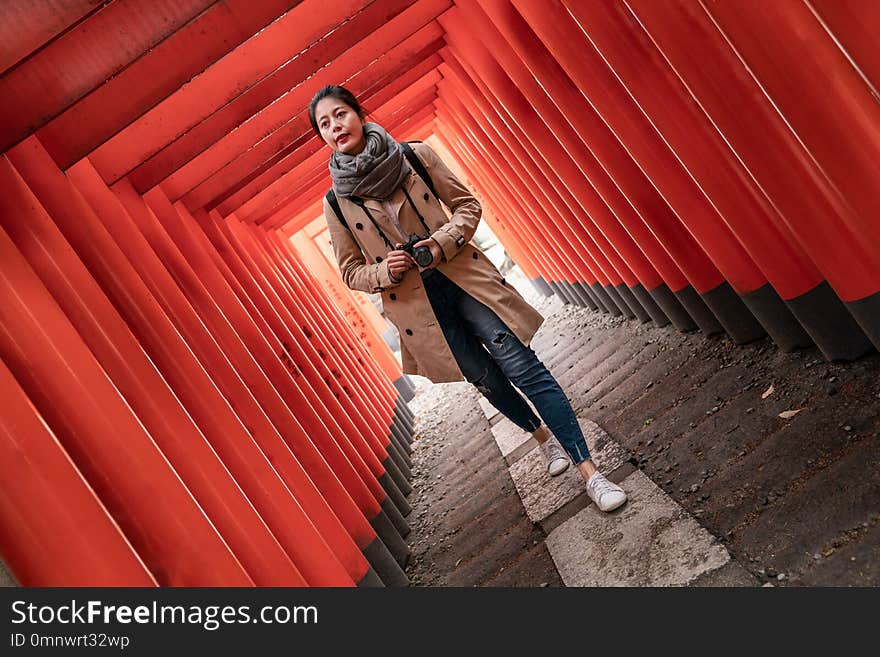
<point>421,254</point>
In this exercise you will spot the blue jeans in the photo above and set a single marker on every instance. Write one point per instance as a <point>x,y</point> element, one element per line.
<point>492,358</point>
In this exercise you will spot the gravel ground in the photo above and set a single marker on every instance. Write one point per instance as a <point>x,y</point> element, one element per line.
<point>796,500</point>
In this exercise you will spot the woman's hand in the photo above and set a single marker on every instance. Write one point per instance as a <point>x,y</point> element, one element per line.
<point>435,249</point>
<point>398,262</point>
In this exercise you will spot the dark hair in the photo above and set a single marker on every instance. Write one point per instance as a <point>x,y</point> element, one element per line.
<point>333,91</point>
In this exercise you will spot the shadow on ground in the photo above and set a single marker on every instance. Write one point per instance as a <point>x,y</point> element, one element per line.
<point>796,501</point>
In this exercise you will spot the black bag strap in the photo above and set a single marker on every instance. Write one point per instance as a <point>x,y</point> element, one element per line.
<point>334,203</point>
<point>417,166</point>
<point>414,162</point>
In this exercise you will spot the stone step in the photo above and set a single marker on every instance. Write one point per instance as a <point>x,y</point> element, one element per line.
<point>543,495</point>
<point>491,413</point>
<point>649,541</point>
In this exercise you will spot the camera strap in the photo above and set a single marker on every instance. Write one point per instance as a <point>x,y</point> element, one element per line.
<point>360,203</point>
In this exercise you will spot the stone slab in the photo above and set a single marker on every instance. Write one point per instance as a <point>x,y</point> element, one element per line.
<point>729,575</point>
<point>542,494</point>
<point>508,436</point>
<point>650,541</point>
<point>489,410</point>
<point>583,500</point>
<point>520,451</point>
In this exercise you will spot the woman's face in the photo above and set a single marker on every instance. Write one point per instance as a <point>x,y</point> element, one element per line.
<point>340,126</point>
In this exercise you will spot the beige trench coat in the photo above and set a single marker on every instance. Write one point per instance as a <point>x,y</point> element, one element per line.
<point>424,350</point>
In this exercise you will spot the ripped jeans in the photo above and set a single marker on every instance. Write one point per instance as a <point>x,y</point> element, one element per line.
<point>492,358</point>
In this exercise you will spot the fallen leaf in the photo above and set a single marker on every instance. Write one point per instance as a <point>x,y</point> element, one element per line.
<point>767,392</point>
<point>789,414</point>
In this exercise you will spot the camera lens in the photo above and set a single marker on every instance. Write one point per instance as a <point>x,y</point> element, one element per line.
<point>423,256</point>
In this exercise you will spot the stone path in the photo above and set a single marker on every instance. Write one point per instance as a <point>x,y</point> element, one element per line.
<point>721,487</point>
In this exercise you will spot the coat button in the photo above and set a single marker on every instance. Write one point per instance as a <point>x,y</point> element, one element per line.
<point>359,226</point>
<point>408,331</point>
<point>503,282</point>
<point>474,255</point>
<point>378,258</point>
<point>392,296</point>
<point>426,197</point>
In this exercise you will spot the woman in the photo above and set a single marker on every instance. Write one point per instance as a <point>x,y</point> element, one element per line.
<point>457,317</point>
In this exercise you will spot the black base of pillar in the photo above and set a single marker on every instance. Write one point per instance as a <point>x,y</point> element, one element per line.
<point>384,564</point>
<point>572,297</point>
<point>397,505</point>
<point>733,315</point>
<point>565,292</point>
<point>698,311</point>
<point>607,303</point>
<point>602,300</point>
<point>598,300</point>
<point>401,487</point>
<point>370,579</point>
<point>647,302</point>
<point>782,327</point>
<point>675,311</point>
<point>401,460</point>
<point>391,537</point>
<point>559,292</point>
<point>402,408</point>
<point>867,313</point>
<point>576,290</point>
<point>585,295</point>
<point>405,420</point>
<point>829,322</point>
<point>619,302</point>
<point>634,305</point>
<point>573,293</point>
<point>404,387</point>
<point>404,435</point>
<point>541,286</point>
<point>397,436</point>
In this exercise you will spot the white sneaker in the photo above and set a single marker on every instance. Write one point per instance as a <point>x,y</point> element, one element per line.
<point>557,459</point>
<point>606,495</point>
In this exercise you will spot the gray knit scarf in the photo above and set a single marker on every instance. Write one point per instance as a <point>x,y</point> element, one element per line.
<point>375,172</point>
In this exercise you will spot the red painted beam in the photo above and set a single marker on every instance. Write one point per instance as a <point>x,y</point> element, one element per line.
<point>353,45</point>
<point>96,425</point>
<point>416,18</point>
<point>245,188</point>
<point>390,118</point>
<point>81,127</point>
<point>299,207</point>
<point>252,157</point>
<point>302,163</point>
<point>85,57</point>
<point>822,98</point>
<point>26,25</point>
<point>295,223</point>
<point>45,496</point>
<point>291,194</point>
<point>273,58</point>
<point>855,25</point>
<point>305,206</point>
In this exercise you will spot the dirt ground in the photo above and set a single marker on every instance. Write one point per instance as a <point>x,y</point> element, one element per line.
<point>795,500</point>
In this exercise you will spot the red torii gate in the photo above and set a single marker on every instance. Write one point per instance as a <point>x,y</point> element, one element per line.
<point>157,155</point>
